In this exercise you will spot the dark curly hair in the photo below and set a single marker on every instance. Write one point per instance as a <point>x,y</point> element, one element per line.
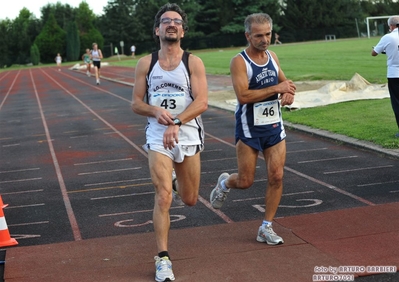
<point>166,8</point>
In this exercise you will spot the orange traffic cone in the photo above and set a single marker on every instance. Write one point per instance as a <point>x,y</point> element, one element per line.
<point>5,238</point>
<point>2,205</point>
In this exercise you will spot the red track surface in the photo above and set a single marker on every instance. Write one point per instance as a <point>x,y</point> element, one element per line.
<point>364,235</point>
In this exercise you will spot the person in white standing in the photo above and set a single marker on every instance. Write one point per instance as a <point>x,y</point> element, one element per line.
<point>389,45</point>
<point>58,60</point>
<point>133,50</point>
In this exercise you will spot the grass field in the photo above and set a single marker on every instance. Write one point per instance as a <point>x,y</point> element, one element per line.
<point>369,120</point>
<point>321,60</point>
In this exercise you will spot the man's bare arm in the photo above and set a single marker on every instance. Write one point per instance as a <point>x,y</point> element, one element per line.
<point>244,95</point>
<point>199,88</point>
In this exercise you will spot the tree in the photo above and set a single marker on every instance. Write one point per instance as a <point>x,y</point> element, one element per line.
<point>21,33</point>
<point>88,34</point>
<point>51,40</point>
<point>62,13</point>
<point>214,15</point>
<point>119,22</point>
<point>240,10</point>
<point>313,19</point>
<point>5,58</point>
<point>73,42</point>
<point>34,55</point>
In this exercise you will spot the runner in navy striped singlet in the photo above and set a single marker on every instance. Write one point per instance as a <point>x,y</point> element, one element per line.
<point>261,89</point>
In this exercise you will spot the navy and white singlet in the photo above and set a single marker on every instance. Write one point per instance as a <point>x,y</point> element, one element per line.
<point>261,119</point>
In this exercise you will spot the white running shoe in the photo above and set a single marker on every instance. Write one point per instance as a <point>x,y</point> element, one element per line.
<point>98,82</point>
<point>218,196</point>
<point>163,269</point>
<point>267,235</point>
<point>176,197</point>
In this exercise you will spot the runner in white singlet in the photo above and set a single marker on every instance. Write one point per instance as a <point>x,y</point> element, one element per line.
<point>171,91</point>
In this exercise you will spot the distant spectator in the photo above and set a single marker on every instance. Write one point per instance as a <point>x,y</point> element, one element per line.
<point>276,37</point>
<point>133,50</point>
<point>58,60</point>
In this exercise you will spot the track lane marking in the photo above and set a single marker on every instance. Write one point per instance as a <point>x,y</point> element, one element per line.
<point>310,178</point>
<point>9,90</point>
<point>71,216</point>
<point>138,148</point>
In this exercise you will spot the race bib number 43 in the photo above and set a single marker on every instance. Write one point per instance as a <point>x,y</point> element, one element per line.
<point>266,112</point>
<point>175,103</point>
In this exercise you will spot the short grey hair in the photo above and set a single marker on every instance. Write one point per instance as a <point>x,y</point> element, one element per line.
<point>257,18</point>
<point>394,20</point>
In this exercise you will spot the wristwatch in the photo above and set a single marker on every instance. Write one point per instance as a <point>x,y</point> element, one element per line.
<point>177,121</point>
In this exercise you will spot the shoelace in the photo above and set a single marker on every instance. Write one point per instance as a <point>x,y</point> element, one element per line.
<point>270,230</point>
<point>162,264</point>
<point>221,195</point>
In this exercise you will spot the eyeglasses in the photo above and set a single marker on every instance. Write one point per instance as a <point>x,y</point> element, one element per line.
<point>169,20</point>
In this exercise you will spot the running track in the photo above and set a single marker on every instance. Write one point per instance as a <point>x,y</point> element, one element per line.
<point>72,166</point>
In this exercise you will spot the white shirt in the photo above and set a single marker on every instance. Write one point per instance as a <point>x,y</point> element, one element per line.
<point>172,91</point>
<point>390,44</point>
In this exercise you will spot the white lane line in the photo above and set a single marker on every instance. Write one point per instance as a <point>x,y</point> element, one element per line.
<point>307,150</point>
<point>326,160</point>
<point>23,192</point>
<point>109,171</point>
<point>332,187</point>
<point>89,84</point>
<point>11,145</point>
<point>377,183</point>
<point>25,206</point>
<point>263,197</point>
<point>133,212</point>
<point>29,223</point>
<point>9,90</point>
<point>105,161</point>
<point>118,181</point>
<point>20,180</point>
<point>223,159</point>
<point>295,142</point>
<point>356,169</point>
<point>122,196</point>
<point>210,151</point>
<point>138,148</point>
<point>20,170</point>
<point>71,216</point>
<point>5,74</point>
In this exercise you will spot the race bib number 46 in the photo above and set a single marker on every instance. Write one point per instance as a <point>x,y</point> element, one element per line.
<point>175,103</point>
<point>266,112</point>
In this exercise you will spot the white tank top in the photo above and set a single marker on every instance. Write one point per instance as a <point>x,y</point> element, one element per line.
<point>95,54</point>
<point>172,90</point>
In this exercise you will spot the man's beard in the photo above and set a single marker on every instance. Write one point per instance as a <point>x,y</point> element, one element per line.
<point>171,39</point>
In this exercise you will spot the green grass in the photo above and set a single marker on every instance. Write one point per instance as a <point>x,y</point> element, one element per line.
<point>320,60</point>
<point>370,120</point>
